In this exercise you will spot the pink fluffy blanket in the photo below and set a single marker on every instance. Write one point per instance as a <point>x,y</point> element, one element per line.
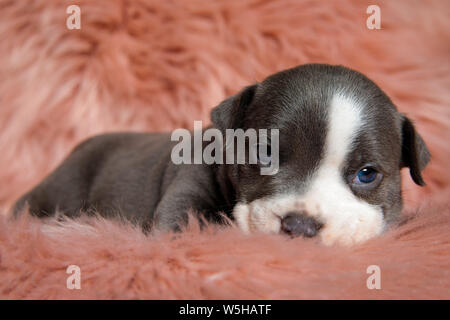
<point>157,65</point>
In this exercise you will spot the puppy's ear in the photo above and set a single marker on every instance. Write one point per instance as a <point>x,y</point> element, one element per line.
<point>415,154</point>
<point>227,115</point>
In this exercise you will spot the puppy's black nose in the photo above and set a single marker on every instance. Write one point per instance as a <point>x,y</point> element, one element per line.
<point>300,224</point>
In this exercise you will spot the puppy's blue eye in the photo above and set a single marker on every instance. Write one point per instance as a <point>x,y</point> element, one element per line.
<point>366,175</point>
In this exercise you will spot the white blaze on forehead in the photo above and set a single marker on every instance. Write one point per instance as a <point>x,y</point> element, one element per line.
<point>344,121</point>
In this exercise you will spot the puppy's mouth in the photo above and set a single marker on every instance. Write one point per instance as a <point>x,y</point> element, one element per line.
<point>273,219</point>
<point>345,225</point>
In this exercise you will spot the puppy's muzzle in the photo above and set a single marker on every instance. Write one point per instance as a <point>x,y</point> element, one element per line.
<point>300,224</point>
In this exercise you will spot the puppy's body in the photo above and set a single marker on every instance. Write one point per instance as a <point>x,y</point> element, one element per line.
<point>336,127</point>
<point>129,175</point>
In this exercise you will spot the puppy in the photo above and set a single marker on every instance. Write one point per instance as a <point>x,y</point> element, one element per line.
<point>341,146</point>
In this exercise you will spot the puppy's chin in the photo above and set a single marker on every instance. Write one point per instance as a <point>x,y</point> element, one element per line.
<point>342,225</point>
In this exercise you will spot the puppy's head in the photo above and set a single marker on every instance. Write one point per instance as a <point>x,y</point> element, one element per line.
<point>341,146</point>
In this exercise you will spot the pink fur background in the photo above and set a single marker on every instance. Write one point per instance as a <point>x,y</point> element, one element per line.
<point>159,65</point>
